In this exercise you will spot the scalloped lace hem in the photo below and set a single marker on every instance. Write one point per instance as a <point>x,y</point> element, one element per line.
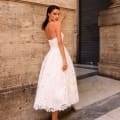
<point>50,109</point>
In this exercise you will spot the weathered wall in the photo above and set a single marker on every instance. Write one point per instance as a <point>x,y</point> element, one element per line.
<point>109,22</point>
<point>16,104</point>
<point>23,43</point>
<point>23,46</point>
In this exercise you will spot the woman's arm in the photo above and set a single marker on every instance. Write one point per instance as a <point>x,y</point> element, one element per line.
<point>60,42</point>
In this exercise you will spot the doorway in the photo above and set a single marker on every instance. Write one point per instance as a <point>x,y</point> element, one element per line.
<point>88,46</point>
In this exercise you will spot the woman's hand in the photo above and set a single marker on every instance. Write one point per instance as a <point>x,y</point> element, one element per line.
<point>62,15</point>
<point>65,66</point>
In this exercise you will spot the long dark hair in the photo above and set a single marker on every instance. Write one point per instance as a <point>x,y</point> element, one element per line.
<point>49,10</point>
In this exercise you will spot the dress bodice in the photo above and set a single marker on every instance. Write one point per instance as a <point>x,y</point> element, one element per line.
<point>53,42</point>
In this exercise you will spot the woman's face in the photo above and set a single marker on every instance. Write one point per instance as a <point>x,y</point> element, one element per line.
<point>54,15</point>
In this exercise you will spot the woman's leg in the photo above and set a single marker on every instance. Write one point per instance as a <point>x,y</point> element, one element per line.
<point>55,115</point>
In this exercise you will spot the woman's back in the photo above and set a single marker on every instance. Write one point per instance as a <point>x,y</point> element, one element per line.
<point>50,30</point>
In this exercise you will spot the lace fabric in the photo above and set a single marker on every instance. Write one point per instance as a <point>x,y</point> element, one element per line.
<point>56,89</point>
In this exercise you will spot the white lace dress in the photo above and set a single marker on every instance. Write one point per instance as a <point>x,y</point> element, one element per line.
<point>56,89</point>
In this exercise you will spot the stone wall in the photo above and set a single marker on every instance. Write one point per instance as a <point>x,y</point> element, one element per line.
<point>23,46</point>
<point>109,22</point>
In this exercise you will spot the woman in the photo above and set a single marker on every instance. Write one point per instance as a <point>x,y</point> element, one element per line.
<point>57,85</point>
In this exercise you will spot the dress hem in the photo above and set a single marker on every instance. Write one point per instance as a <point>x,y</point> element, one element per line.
<point>48,109</point>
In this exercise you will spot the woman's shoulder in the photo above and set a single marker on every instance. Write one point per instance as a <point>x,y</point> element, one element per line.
<point>56,23</point>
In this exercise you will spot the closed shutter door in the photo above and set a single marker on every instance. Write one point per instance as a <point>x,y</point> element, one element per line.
<point>89,30</point>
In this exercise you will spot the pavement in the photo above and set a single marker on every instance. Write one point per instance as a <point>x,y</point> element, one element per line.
<point>99,96</point>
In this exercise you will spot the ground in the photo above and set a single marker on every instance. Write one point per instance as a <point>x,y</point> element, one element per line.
<point>99,96</point>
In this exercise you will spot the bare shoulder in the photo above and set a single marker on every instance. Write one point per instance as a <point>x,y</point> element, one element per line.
<point>54,26</point>
<point>57,24</point>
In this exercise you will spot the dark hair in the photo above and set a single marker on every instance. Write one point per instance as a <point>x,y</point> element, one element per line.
<point>49,10</point>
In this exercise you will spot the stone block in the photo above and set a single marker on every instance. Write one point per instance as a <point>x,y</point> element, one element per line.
<point>17,104</point>
<point>109,22</point>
